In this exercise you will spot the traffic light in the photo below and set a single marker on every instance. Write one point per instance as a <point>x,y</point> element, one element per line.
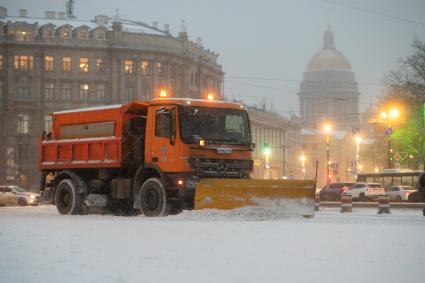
<point>266,149</point>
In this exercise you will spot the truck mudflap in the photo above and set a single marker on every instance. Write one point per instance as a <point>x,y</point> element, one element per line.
<point>296,196</point>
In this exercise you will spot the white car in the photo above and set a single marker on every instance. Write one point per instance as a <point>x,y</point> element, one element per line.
<point>365,191</point>
<point>400,193</point>
<point>17,195</point>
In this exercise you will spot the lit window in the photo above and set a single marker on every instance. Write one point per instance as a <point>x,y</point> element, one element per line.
<point>84,65</point>
<point>48,63</point>
<point>100,92</point>
<point>66,34</point>
<point>23,35</point>
<point>47,123</point>
<point>48,91</point>
<point>128,67</point>
<point>84,92</point>
<point>66,63</point>
<point>145,68</point>
<point>83,34</point>
<point>23,62</point>
<point>100,65</point>
<point>1,62</point>
<point>24,89</point>
<point>23,123</point>
<point>66,91</point>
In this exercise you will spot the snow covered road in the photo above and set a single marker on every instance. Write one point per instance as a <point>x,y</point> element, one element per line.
<point>246,245</point>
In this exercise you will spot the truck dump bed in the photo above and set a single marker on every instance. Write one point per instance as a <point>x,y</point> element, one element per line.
<point>87,138</point>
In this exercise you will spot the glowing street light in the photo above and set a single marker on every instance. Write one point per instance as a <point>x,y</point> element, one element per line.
<point>387,117</point>
<point>303,159</point>
<point>328,129</point>
<point>358,140</point>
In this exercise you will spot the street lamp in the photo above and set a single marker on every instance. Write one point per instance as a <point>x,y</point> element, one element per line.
<point>327,128</point>
<point>303,158</point>
<point>358,140</point>
<point>387,118</point>
<point>266,152</point>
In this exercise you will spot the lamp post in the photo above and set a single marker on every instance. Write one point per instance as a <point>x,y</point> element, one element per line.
<point>358,139</point>
<point>387,118</point>
<point>266,152</point>
<point>303,158</point>
<point>328,129</point>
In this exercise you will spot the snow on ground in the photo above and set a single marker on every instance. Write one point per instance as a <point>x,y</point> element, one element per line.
<point>245,245</point>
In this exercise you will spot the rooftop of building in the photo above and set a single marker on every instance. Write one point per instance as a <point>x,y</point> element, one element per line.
<point>329,58</point>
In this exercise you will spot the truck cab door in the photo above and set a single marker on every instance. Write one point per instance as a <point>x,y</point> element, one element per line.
<point>164,145</point>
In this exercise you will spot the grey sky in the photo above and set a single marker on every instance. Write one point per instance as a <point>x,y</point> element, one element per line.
<point>273,39</point>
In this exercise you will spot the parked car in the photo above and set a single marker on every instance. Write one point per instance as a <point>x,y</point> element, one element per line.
<point>333,191</point>
<point>17,195</point>
<point>400,193</point>
<point>366,191</point>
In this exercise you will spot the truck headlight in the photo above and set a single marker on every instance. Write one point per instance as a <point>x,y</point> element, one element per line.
<point>32,196</point>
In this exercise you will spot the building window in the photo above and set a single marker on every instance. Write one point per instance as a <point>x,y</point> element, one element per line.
<point>24,89</point>
<point>128,92</point>
<point>101,36</point>
<point>145,68</point>
<point>160,70</point>
<point>128,67</point>
<point>23,35</point>
<point>1,62</point>
<point>10,163</point>
<point>66,91</point>
<point>23,123</point>
<point>84,92</point>
<point>84,65</point>
<point>23,62</point>
<point>100,92</point>
<point>83,34</point>
<point>48,91</point>
<point>48,33</point>
<point>48,123</point>
<point>48,63</point>
<point>66,34</point>
<point>66,64</point>
<point>100,65</point>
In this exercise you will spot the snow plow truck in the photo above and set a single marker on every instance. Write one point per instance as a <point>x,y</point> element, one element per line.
<point>159,157</point>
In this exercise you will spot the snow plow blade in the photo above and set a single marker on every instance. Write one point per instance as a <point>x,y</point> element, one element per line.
<point>295,195</point>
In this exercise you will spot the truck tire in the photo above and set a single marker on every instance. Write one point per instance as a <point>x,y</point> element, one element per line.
<point>67,198</point>
<point>153,199</point>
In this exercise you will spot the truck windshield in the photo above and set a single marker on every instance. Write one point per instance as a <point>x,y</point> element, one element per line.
<point>216,125</point>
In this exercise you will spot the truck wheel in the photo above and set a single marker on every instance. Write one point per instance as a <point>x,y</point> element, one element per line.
<point>153,200</point>
<point>67,200</point>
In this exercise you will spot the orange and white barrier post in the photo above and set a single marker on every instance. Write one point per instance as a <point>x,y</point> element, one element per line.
<point>346,203</point>
<point>384,204</point>
<point>316,202</point>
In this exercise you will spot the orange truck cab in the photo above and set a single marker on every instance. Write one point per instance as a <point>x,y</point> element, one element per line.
<point>147,156</point>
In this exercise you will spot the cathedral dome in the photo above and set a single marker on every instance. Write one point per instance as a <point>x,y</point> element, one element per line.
<point>328,58</point>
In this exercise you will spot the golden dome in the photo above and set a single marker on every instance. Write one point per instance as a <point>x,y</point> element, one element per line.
<point>328,58</point>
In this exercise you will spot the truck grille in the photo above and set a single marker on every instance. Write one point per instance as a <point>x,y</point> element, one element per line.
<point>221,168</point>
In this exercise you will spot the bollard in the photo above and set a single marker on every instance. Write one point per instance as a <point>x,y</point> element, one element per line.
<point>317,203</point>
<point>346,203</point>
<point>384,204</point>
